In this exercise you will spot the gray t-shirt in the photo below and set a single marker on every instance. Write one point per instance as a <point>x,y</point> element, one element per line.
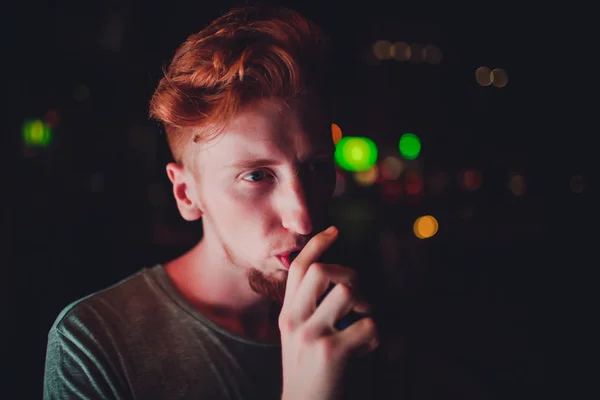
<point>141,339</point>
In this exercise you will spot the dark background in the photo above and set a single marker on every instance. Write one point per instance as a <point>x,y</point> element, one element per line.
<point>95,206</point>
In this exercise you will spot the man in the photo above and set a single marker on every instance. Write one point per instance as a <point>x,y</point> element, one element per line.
<point>244,106</point>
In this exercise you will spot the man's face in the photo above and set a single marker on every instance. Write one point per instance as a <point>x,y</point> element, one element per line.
<point>264,184</point>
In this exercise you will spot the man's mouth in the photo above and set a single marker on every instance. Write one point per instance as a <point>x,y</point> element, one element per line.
<point>287,258</point>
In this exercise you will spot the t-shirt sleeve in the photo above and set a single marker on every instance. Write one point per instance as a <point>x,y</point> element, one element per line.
<point>77,367</point>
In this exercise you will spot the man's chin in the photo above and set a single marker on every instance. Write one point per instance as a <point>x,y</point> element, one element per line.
<point>270,287</point>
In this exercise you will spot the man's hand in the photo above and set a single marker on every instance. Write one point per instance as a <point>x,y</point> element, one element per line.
<point>314,352</point>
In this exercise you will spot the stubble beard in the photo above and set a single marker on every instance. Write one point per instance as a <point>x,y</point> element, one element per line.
<point>267,286</point>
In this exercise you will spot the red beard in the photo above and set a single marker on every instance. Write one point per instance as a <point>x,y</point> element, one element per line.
<point>273,290</point>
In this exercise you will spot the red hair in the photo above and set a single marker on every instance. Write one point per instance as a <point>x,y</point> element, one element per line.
<point>248,54</point>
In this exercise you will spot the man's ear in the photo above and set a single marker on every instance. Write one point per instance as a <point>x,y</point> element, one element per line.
<point>184,190</point>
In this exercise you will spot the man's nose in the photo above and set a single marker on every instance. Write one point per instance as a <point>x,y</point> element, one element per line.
<point>295,212</point>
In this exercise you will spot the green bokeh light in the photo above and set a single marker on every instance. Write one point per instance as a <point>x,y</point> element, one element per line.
<point>410,146</point>
<point>36,133</point>
<point>356,154</point>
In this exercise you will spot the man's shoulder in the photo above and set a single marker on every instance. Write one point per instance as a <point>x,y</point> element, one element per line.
<point>109,305</point>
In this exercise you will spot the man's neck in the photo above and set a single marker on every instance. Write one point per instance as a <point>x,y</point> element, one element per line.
<point>222,293</point>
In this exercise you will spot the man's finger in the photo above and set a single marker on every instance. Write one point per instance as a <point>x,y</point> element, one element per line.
<point>311,253</point>
<point>314,286</point>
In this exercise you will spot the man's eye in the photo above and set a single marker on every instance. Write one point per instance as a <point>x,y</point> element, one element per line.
<point>255,176</point>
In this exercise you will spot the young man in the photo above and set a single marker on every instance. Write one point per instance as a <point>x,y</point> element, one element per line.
<point>244,107</point>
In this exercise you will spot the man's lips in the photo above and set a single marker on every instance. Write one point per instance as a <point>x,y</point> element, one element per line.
<point>287,257</point>
<point>285,260</point>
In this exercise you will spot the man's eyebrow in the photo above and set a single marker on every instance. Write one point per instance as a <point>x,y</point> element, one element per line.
<point>252,163</point>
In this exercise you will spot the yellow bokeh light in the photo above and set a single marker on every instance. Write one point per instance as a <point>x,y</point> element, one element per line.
<point>37,131</point>
<point>500,77</point>
<point>368,177</point>
<point>425,227</point>
<point>336,133</point>
<point>382,49</point>
<point>357,153</point>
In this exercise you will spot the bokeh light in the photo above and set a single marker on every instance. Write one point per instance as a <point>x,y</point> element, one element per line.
<point>471,179</point>
<point>432,54</point>
<point>500,77</point>
<point>382,49</point>
<point>355,154</point>
<point>410,146</point>
<point>391,168</point>
<point>368,177</point>
<point>425,227</point>
<point>484,76</point>
<point>336,133</point>
<point>517,185</point>
<point>51,118</point>
<point>36,133</point>
<point>400,51</point>
<point>577,184</point>
<point>413,182</point>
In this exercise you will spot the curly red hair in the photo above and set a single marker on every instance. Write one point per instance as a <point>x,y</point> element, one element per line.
<point>248,54</point>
